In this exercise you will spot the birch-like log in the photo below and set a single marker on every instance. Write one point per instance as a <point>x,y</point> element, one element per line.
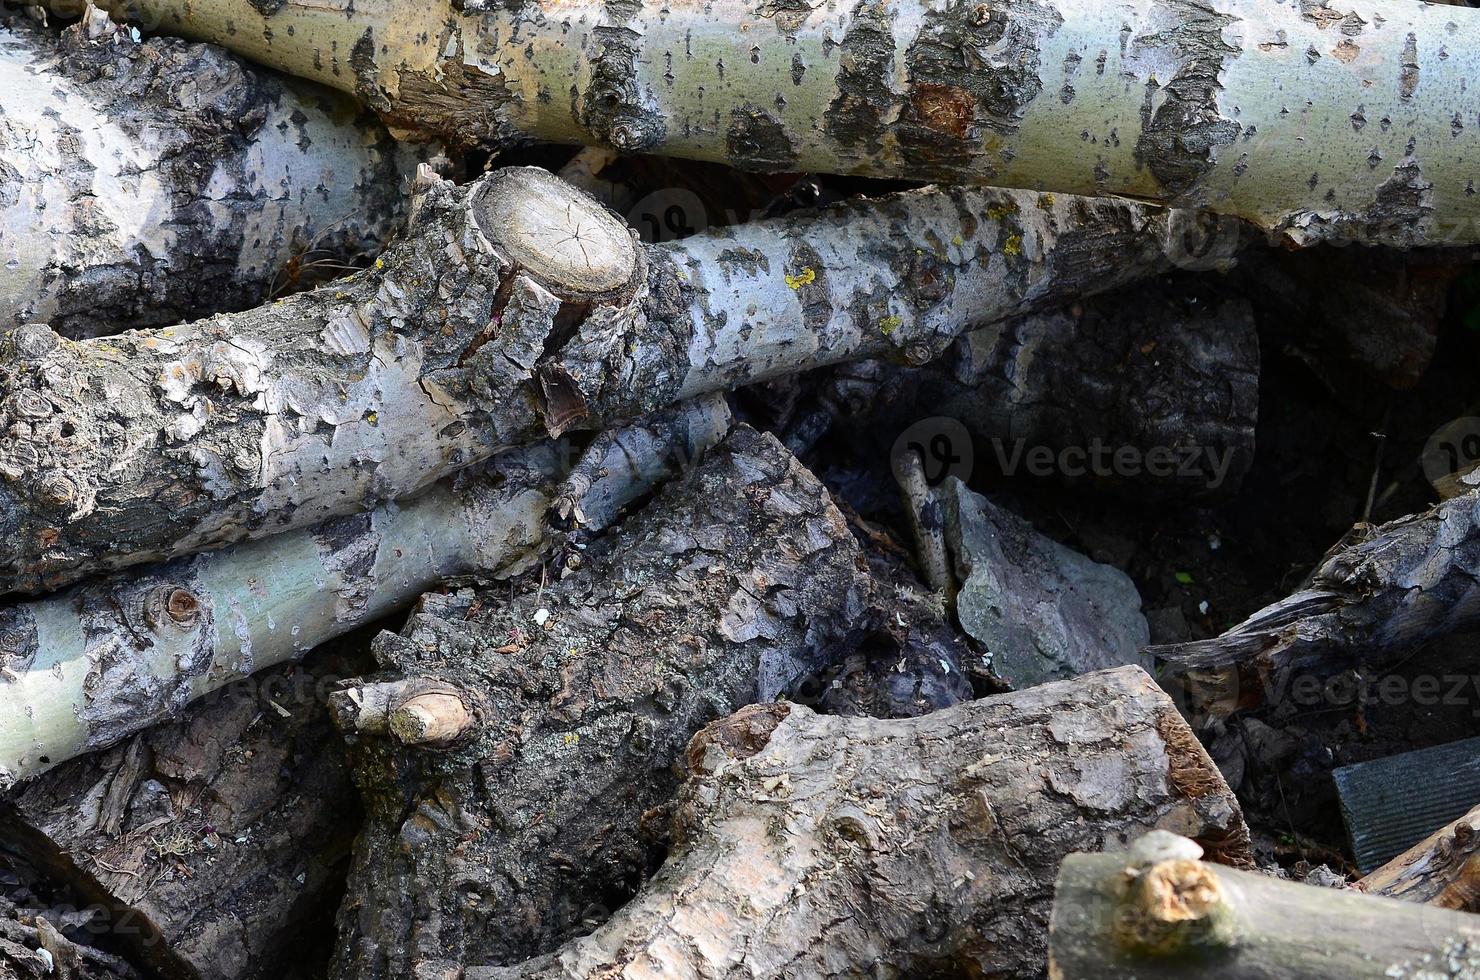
<point>1443,869</point>
<point>1346,119</point>
<point>809,846</point>
<point>83,669</point>
<point>1158,912</point>
<point>517,756</point>
<point>1387,592</point>
<point>514,308</point>
<point>148,182</point>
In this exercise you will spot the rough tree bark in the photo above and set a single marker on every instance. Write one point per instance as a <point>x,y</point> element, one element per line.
<point>83,669</point>
<point>1170,367</point>
<point>516,758</point>
<point>211,847</point>
<point>811,846</point>
<point>1443,869</point>
<point>1316,120</point>
<point>490,325</point>
<point>1159,912</point>
<point>1391,590</point>
<point>148,182</point>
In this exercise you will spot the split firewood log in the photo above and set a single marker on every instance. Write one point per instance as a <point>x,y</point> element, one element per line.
<point>517,754</point>
<point>212,847</point>
<point>1157,911</point>
<point>1443,869</point>
<point>514,308</point>
<point>1317,122</point>
<point>1387,591</point>
<point>813,846</point>
<point>145,182</point>
<point>87,667</point>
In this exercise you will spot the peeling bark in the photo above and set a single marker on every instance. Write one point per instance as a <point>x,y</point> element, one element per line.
<point>1159,912</point>
<point>810,846</point>
<point>486,327</point>
<point>1314,121</point>
<point>1443,869</point>
<point>147,182</point>
<point>735,585</point>
<point>212,846</point>
<point>81,670</point>
<point>1386,592</point>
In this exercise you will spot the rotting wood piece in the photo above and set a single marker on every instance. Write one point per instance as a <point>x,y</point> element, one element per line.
<point>737,584</point>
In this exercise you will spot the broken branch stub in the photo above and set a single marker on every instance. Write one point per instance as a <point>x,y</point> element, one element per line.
<point>1443,869</point>
<point>83,669</point>
<point>1313,121</point>
<point>808,845</point>
<point>1158,912</point>
<point>157,444</point>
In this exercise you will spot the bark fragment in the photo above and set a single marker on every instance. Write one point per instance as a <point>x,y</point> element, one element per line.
<point>1043,611</point>
<point>919,847</point>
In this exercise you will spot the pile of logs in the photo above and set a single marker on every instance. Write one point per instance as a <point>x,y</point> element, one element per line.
<point>410,570</point>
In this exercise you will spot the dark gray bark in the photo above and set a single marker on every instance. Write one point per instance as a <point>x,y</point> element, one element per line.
<point>213,846</point>
<point>1169,368</point>
<point>569,704</point>
<point>1387,591</point>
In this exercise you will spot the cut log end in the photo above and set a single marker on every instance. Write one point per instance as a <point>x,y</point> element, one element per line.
<point>432,719</point>
<point>566,240</point>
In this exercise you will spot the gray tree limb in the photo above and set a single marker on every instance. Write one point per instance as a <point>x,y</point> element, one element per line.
<point>486,327</point>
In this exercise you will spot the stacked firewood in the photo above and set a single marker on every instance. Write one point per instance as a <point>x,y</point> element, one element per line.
<point>497,490</point>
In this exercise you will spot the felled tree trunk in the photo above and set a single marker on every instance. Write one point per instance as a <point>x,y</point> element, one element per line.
<point>1314,121</point>
<point>1443,869</point>
<point>1390,591</point>
<point>814,846</point>
<point>517,756</point>
<point>83,669</point>
<point>1159,912</point>
<point>211,847</point>
<point>489,326</point>
<point>149,182</point>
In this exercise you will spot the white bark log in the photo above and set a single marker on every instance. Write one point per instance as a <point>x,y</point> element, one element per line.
<point>81,670</point>
<point>514,309</point>
<point>149,182</point>
<point>1346,120</point>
